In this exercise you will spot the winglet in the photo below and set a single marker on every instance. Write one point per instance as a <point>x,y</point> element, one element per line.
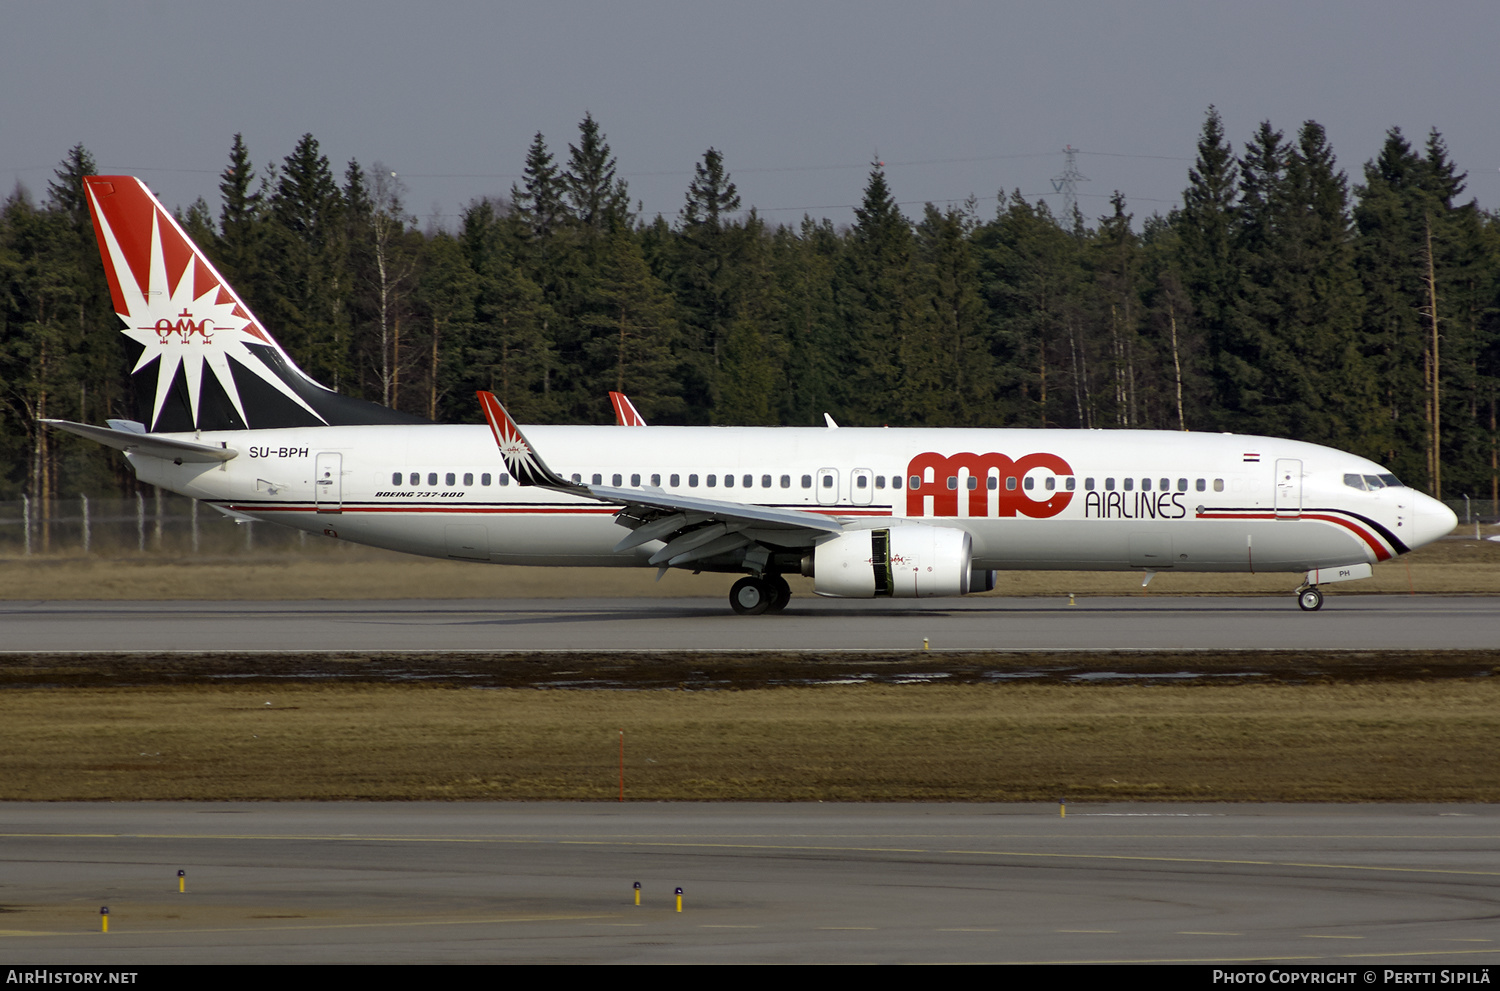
<point>626,415</point>
<point>521,459</point>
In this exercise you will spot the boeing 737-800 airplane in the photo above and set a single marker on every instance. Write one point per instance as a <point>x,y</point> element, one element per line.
<point>865,512</point>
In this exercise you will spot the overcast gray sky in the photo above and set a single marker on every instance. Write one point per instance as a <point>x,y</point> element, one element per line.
<point>956,98</point>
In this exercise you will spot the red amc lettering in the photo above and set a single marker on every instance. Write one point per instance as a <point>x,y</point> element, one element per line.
<point>1010,501</point>
<point>184,328</point>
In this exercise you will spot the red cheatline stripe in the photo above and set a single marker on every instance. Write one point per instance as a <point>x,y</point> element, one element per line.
<point>581,510</point>
<point>1382,553</point>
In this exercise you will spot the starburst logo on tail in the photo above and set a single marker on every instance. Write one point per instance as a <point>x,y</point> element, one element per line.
<point>177,306</point>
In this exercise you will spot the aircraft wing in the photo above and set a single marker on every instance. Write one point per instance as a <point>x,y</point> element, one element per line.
<point>692,528</point>
<point>152,445</point>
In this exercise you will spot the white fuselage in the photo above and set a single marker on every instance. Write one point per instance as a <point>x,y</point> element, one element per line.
<point>1031,499</point>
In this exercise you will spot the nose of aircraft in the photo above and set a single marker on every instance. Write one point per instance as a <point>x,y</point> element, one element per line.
<point>1431,520</point>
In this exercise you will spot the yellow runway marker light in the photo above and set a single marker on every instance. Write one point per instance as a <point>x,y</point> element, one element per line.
<point>104,919</point>
<point>638,894</point>
<point>679,899</point>
<point>181,882</point>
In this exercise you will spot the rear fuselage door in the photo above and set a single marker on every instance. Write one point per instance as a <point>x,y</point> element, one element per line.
<point>1288,487</point>
<point>328,485</point>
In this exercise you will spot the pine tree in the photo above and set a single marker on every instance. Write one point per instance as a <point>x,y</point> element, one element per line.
<point>241,226</point>
<point>598,199</point>
<point>630,333</point>
<point>877,304</point>
<point>704,269</point>
<point>307,252</point>
<point>956,364</point>
<point>1210,271</point>
<point>538,201</point>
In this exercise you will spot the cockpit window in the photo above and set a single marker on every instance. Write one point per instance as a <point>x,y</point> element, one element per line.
<point>1373,482</point>
<point>1355,482</point>
<point>1391,482</point>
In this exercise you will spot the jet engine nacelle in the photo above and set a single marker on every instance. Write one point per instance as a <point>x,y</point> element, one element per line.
<point>903,562</point>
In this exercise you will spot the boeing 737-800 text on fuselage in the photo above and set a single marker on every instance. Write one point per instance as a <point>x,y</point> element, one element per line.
<point>865,512</point>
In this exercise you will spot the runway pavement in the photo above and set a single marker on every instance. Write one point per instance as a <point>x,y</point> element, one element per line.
<point>466,883</point>
<point>1369,622</point>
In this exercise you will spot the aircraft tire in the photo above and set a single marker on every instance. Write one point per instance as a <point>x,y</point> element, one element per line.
<point>1310,599</point>
<point>781,593</point>
<point>751,596</point>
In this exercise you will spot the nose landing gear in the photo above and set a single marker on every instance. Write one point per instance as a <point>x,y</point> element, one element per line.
<point>1310,599</point>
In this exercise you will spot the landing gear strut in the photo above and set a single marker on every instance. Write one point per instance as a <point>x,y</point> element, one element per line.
<point>1310,599</point>
<point>755,594</point>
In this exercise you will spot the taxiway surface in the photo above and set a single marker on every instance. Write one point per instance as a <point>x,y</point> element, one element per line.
<point>375,883</point>
<point>1362,622</point>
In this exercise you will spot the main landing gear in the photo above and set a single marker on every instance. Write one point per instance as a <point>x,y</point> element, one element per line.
<point>1310,599</point>
<point>759,593</point>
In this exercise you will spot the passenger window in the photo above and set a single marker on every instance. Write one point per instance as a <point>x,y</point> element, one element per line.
<point>953,482</point>
<point>675,481</point>
<point>396,478</point>
<point>861,482</point>
<point>1088,485</point>
<point>765,481</point>
<point>1218,485</point>
<point>449,479</point>
<point>992,483</point>
<point>1051,483</point>
<point>807,481</point>
<point>1010,484</point>
<point>468,478</point>
<point>713,480</point>
<point>432,478</point>
<point>728,481</point>
<point>692,481</point>
<point>1071,483</point>
<point>598,479</point>
<point>880,481</point>
<point>484,479</point>
<point>1202,485</point>
<point>916,482</point>
<point>504,478</point>
<point>416,479</point>
<point>1129,484</point>
<point>895,481</point>
<point>577,478</point>
<point>973,481</point>
<point>1145,485</point>
<point>1109,485</point>
<point>747,482</point>
<point>1182,485</point>
<point>1028,484</point>
<point>1166,485</point>
<point>656,480</point>
<point>827,481</point>
<point>786,481</point>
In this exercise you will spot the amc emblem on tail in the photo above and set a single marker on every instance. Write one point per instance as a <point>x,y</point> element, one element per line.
<point>230,419</point>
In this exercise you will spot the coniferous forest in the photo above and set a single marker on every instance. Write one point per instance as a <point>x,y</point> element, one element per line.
<point>1283,297</point>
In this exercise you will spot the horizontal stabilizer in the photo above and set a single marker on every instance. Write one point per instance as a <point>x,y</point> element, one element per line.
<point>151,445</point>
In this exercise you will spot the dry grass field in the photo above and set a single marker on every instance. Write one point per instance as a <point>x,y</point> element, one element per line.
<point>1429,741</point>
<point>1459,564</point>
